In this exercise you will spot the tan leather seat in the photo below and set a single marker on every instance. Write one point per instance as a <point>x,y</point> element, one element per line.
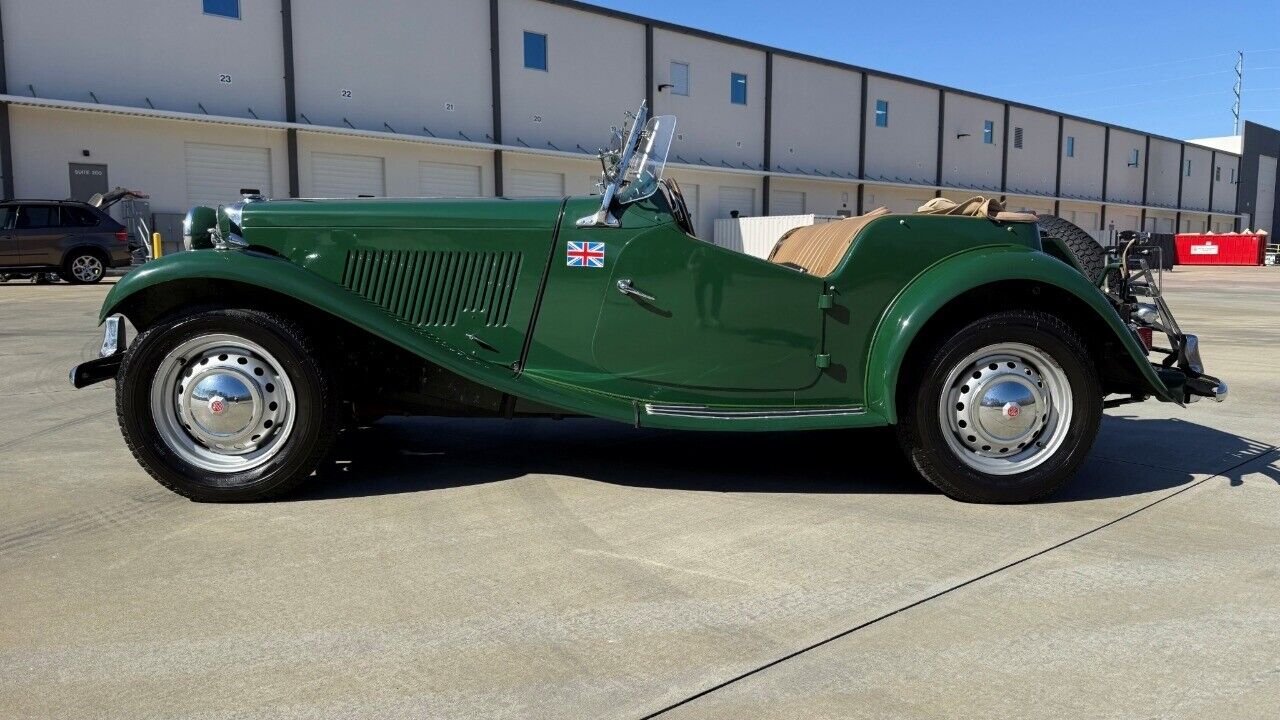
<point>818,249</point>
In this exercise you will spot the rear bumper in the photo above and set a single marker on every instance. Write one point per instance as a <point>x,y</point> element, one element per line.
<point>120,258</point>
<point>1187,379</point>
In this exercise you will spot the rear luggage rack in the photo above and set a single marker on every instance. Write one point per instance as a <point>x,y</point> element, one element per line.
<point>1137,291</point>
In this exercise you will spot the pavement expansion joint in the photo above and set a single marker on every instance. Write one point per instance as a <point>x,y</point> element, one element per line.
<point>995,571</point>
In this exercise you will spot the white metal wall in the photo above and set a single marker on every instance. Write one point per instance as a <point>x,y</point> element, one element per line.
<point>1162,180</point>
<point>1082,174</point>
<point>1124,181</point>
<point>127,53</point>
<point>407,63</point>
<point>710,127</point>
<point>1225,178</point>
<point>966,158</point>
<point>1033,167</point>
<point>1195,187</point>
<point>148,155</point>
<point>584,89</point>
<point>815,117</point>
<point>906,150</point>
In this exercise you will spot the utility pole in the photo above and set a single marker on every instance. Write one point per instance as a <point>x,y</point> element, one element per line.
<point>1239,86</point>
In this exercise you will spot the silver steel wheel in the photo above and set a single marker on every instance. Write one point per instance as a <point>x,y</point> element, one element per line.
<point>222,403</point>
<point>1006,408</point>
<point>86,268</point>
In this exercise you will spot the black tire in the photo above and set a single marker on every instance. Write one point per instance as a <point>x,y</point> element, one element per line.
<point>922,435</point>
<point>314,425</point>
<point>1086,250</point>
<point>94,257</point>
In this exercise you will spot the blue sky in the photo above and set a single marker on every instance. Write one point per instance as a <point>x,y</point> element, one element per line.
<point>1165,67</point>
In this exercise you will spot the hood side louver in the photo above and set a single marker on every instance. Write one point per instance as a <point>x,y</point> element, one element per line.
<point>433,288</point>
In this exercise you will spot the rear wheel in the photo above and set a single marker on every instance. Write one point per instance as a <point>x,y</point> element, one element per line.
<point>226,405</point>
<point>1005,411</point>
<point>83,267</point>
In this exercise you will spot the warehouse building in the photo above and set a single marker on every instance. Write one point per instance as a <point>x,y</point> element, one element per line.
<point>192,100</point>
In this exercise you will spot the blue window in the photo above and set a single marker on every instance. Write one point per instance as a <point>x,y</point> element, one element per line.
<point>988,132</point>
<point>882,113</point>
<point>223,8</point>
<point>535,50</point>
<point>738,88</point>
<point>1071,146</point>
<point>1135,157</point>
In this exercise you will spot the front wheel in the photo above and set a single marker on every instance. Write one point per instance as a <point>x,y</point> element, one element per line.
<point>1005,411</point>
<point>226,405</point>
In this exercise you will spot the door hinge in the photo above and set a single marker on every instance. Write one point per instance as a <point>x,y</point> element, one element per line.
<point>824,360</point>
<point>826,301</point>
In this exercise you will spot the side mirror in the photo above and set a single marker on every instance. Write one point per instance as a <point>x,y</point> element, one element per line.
<point>197,227</point>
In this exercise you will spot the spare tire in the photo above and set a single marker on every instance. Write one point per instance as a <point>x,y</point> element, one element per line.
<point>1086,250</point>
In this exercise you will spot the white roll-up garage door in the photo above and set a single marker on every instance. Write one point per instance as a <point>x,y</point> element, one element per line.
<point>736,198</point>
<point>1264,210</point>
<point>786,202</point>
<point>217,173</point>
<point>340,176</point>
<point>533,183</point>
<point>448,180</point>
<point>1126,222</point>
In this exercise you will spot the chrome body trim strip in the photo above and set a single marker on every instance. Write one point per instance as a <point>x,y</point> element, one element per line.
<point>712,413</point>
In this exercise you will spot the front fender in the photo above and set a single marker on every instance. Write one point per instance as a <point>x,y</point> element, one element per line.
<point>955,275</point>
<point>285,278</point>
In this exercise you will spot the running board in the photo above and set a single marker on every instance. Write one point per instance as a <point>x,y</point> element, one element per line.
<point>772,413</point>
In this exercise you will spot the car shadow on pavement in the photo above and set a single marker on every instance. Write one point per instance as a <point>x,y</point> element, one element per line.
<point>404,455</point>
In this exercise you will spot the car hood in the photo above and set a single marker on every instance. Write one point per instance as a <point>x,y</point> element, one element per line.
<point>531,213</point>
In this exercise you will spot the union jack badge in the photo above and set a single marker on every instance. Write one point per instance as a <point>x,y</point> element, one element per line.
<point>585,254</point>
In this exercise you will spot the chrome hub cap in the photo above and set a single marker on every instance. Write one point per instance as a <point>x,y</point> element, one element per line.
<point>87,268</point>
<point>1005,408</point>
<point>222,403</point>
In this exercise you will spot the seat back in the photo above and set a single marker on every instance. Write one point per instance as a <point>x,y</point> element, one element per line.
<point>818,249</point>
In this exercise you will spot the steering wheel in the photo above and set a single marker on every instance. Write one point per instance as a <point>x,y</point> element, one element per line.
<point>683,218</point>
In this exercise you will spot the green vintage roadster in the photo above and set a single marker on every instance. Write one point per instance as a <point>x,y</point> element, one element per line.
<point>990,340</point>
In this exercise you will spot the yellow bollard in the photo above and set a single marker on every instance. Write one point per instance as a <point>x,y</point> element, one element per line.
<point>157,246</point>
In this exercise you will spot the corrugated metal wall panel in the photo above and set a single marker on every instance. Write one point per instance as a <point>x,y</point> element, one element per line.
<point>756,235</point>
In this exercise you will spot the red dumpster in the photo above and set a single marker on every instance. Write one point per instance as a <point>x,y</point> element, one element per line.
<point>1197,249</point>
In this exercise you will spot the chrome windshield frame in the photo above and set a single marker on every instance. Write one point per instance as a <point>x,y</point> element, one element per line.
<point>604,216</point>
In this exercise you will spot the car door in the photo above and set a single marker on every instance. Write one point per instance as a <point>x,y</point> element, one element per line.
<point>9,252</point>
<point>40,234</point>
<point>681,312</point>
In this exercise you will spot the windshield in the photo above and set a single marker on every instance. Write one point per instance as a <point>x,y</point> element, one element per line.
<point>649,159</point>
<point>632,168</point>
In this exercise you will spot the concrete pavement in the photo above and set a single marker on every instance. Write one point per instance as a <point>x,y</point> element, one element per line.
<point>585,569</point>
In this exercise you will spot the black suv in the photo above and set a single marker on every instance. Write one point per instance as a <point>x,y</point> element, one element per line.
<point>73,239</point>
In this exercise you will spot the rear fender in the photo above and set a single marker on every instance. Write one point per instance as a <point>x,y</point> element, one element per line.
<point>953,276</point>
